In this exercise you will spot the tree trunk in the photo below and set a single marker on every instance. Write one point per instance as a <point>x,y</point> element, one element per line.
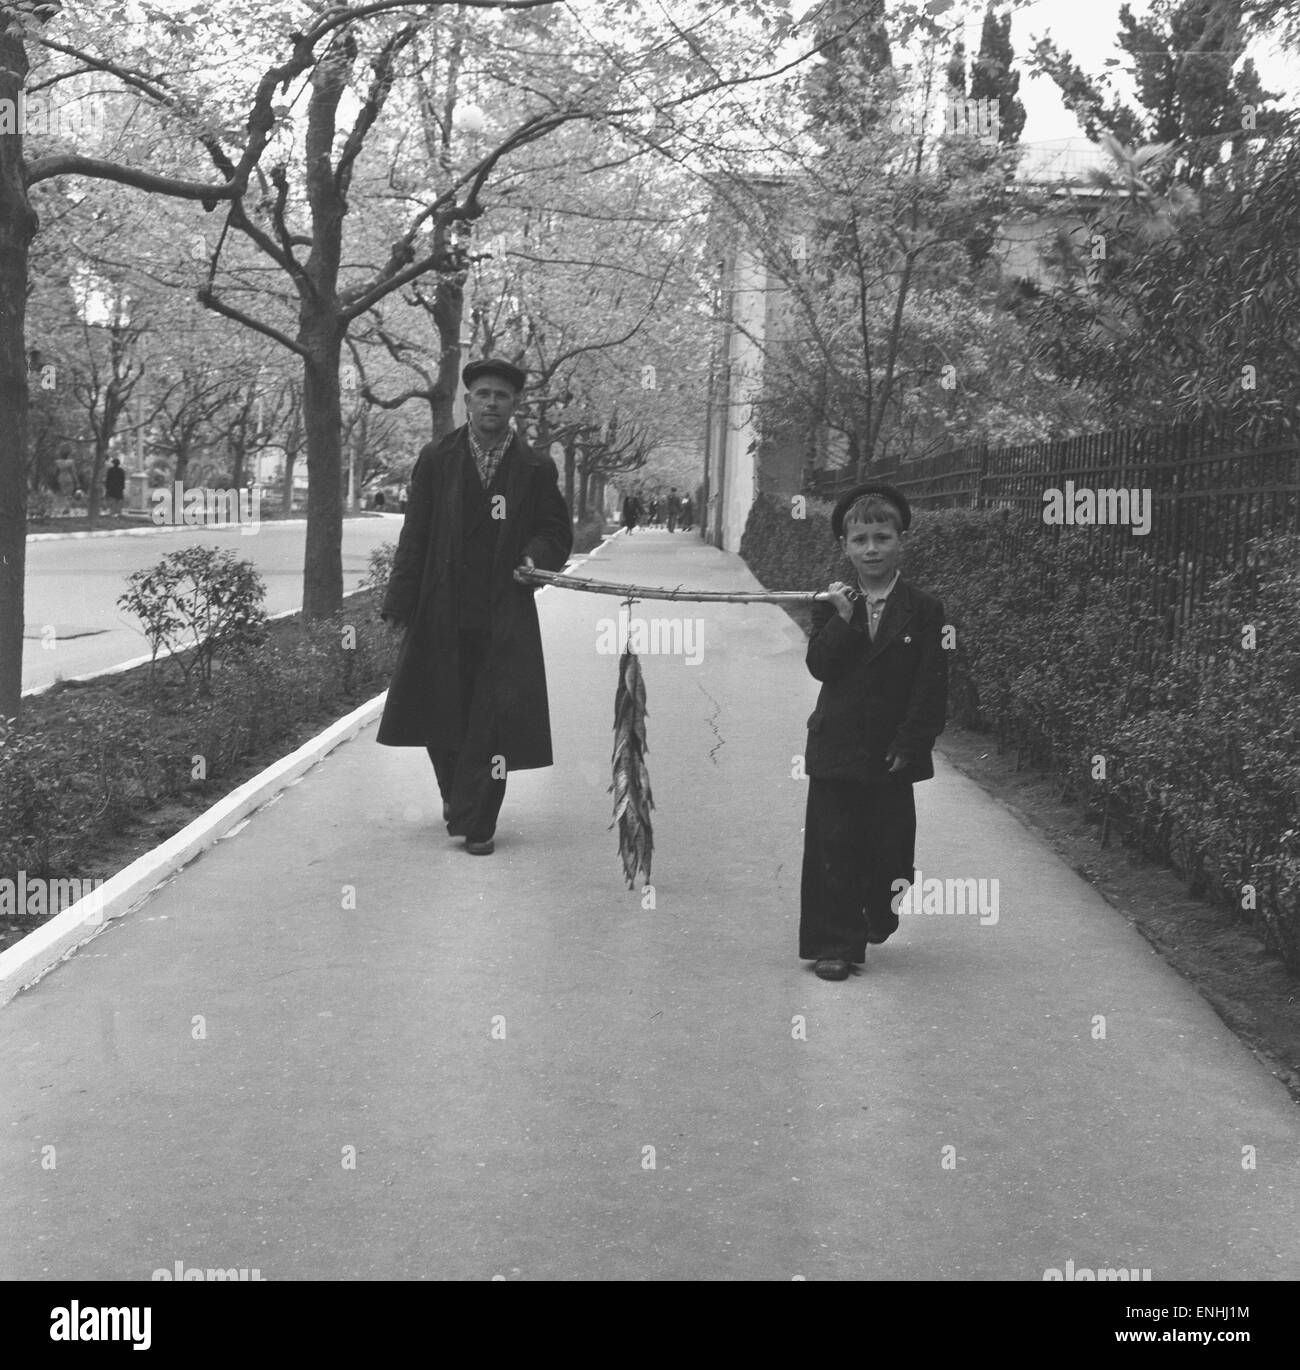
<point>582,494</point>
<point>292,442</point>
<point>98,464</point>
<point>17,228</point>
<point>322,589</point>
<point>448,312</point>
<point>859,456</point>
<point>286,484</point>
<point>182,460</point>
<point>359,443</point>
<point>238,444</point>
<point>570,472</point>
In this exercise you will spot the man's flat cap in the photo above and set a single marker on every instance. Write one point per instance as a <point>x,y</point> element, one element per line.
<point>847,501</point>
<point>490,366</point>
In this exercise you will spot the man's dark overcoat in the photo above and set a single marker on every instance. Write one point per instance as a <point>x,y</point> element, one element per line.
<point>425,593</point>
<point>881,696</point>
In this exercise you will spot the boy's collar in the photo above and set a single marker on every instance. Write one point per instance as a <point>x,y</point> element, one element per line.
<point>885,593</point>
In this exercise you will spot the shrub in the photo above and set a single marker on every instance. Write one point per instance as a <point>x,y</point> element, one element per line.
<point>380,567</point>
<point>197,602</point>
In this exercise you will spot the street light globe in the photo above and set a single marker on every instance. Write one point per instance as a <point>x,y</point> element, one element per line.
<point>468,119</point>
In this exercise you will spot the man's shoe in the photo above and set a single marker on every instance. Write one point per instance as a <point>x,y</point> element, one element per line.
<point>484,848</point>
<point>832,969</point>
<point>876,935</point>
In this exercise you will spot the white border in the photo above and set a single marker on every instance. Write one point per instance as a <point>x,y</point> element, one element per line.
<point>24,963</point>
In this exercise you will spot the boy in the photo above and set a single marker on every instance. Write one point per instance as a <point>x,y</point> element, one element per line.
<point>876,646</point>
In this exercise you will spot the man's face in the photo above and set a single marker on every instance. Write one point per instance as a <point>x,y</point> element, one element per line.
<point>489,402</point>
<point>875,549</point>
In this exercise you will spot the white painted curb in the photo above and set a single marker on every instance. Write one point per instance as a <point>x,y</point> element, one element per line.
<point>196,527</point>
<point>160,528</point>
<point>25,962</point>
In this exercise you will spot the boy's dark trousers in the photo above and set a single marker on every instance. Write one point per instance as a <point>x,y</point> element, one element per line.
<point>858,840</point>
<point>465,777</point>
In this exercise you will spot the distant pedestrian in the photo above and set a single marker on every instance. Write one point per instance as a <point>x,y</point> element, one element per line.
<point>688,514</point>
<point>65,476</point>
<point>115,487</point>
<point>671,510</point>
<point>631,513</point>
<point>876,646</point>
<point>652,514</point>
<point>378,501</point>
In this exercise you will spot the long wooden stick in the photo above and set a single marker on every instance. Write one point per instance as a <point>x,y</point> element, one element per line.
<point>605,587</point>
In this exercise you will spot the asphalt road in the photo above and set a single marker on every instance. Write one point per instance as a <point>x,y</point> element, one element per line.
<point>73,624</point>
<point>337,1046</point>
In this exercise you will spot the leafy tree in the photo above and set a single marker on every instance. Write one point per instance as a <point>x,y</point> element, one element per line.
<point>1191,93</point>
<point>1178,299</point>
<point>870,236</point>
<point>1192,311</point>
<point>293,213</point>
<point>21,24</point>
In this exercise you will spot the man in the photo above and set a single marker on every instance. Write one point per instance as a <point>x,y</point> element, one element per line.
<point>672,510</point>
<point>115,486</point>
<point>469,684</point>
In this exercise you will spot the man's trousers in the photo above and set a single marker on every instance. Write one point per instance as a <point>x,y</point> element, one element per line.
<point>465,776</point>
<point>858,840</point>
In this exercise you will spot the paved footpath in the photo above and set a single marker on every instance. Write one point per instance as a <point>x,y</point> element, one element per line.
<point>463,1075</point>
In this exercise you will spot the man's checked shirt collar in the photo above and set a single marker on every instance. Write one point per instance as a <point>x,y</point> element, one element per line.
<point>487,459</point>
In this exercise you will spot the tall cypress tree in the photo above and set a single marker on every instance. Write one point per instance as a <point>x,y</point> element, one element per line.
<point>957,70</point>
<point>839,91</point>
<point>993,79</point>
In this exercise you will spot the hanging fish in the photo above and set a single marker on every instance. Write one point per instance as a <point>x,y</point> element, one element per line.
<point>631,783</point>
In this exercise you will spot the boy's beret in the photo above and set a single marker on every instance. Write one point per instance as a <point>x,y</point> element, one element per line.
<point>847,501</point>
<point>491,366</point>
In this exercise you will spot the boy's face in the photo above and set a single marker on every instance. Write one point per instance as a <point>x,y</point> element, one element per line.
<point>875,549</point>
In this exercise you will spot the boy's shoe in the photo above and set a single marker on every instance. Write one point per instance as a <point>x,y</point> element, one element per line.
<point>481,848</point>
<point>832,968</point>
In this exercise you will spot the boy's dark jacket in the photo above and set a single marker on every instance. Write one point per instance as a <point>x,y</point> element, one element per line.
<point>881,696</point>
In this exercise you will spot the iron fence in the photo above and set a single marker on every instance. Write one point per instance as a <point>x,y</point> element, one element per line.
<point>1205,490</point>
